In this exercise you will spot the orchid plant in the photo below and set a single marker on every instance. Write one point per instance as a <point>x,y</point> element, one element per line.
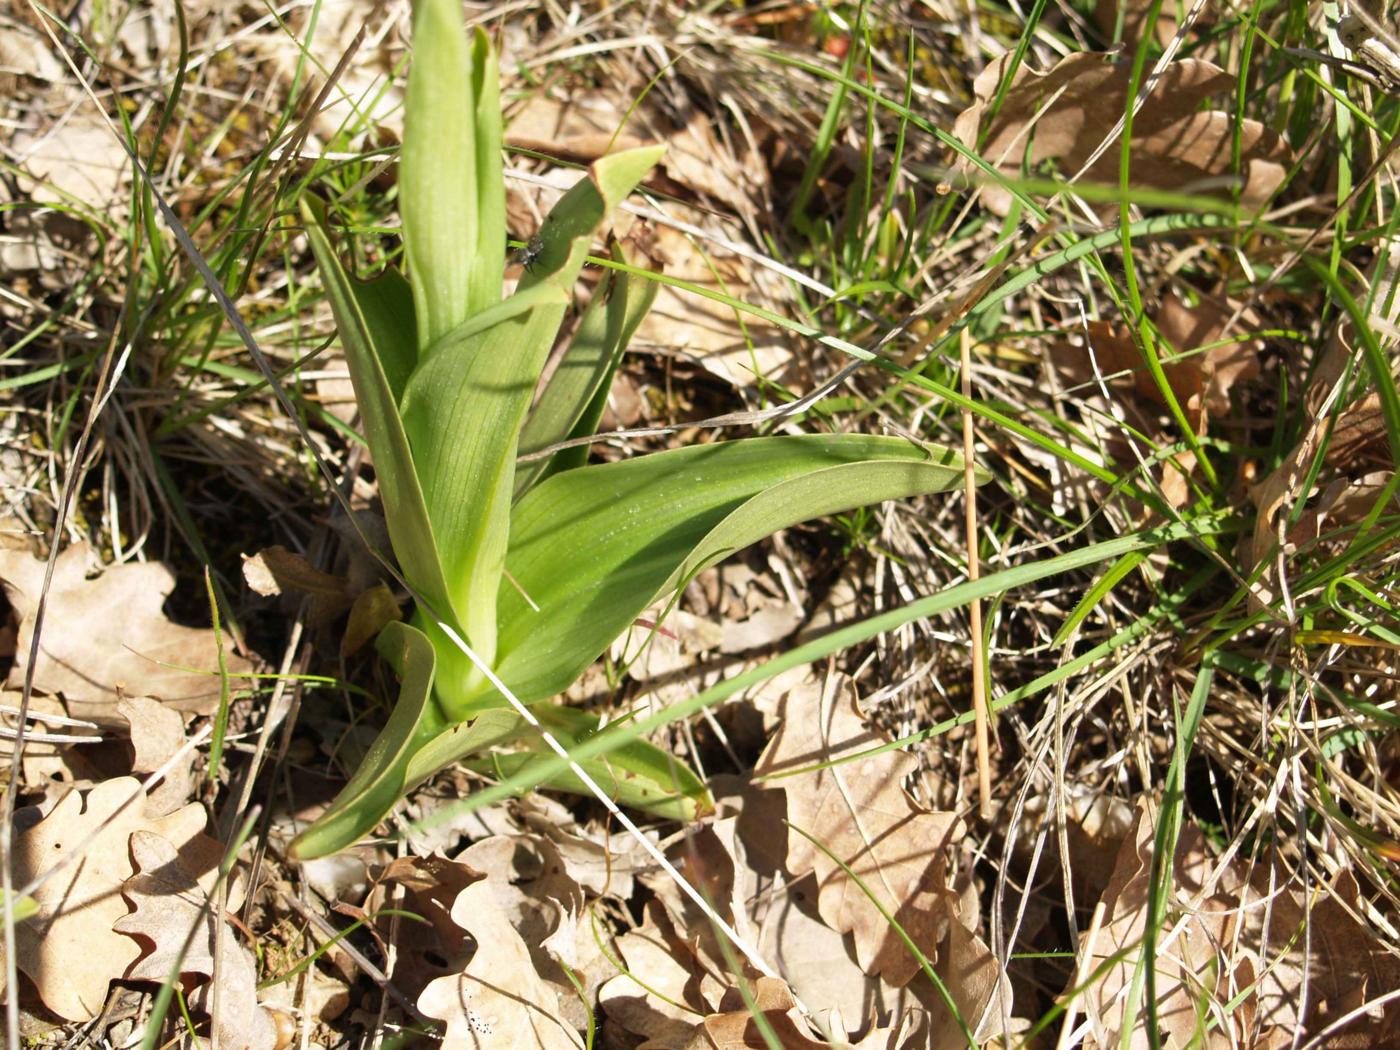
<point>537,564</point>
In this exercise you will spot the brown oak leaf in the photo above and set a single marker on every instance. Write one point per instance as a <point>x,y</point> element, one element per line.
<point>1203,361</point>
<point>499,1000</point>
<point>157,732</point>
<point>1316,963</point>
<point>861,813</point>
<point>70,949</point>
<point>106,637</point>
<point>1176,144</point>
<point>677,993</point>
<point>1186,963</point>
<point>175,922</point>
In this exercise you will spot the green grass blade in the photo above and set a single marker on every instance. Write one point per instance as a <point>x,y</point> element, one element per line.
<point>1102,587</point>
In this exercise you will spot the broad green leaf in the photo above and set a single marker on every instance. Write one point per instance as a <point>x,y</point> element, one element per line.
<point>638,761</point>
<point>465,405</point>
<point>573,400</point>
<point>375,337</point>
<point>489,729</point>
<point>639,775</point>
<point>382,777</point>
<point>593,547</point>
<point>386,303</point>
<point>588,360</point>
<point>619,785</point>
<point>451,187</point>
<point>631,300</point>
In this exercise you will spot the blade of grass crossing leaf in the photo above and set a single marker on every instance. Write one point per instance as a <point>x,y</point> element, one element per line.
<point>750,1000</point>
<point>1159,889</point>
<point>216,744</point>
<point>631,301</point>
<point>595,546</point>
<point>842,638</point>
<point>924,964</point>
<point>1023,43</point>
<point>624,789</point>
<point>1376,361</point>
<point>1139,321</point>
<point>23,908</point>
<point>583,367</point>
<point>150,1038</point>
<point>1102,587</point>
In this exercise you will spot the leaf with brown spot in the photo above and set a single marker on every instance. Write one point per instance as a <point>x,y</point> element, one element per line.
<point>861,813</point>
<point>1074,105</point>
<point>70,950</point>
<point>107,637</point>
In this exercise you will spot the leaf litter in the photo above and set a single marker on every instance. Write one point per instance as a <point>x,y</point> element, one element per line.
<point>544,887</point>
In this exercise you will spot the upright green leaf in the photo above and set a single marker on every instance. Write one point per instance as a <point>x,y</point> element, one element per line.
<point>382,777</point>
<point>451,186</point>
<point>465,405</point>
<point>572,403</point>
<point>376,335</point>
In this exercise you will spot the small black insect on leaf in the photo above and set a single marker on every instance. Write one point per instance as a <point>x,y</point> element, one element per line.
<point>528,253</point>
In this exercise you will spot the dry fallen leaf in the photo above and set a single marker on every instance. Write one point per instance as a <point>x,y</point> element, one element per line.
<point>1317,964</point>
<point>157,732</point>
<point>735,1027</point>
<point>277,571</point>
<point>668,997</point>
<point>70,949</point>
<point>78,159</point>
<point>1176,145</point>
<point>106,637</point>
<point>861,813</point>
<point>1187,964</point>
<point>431,945</point>
<point>698,164</point>
<point>1202,367</point>
<point>176,924</point>
<point>499,1000</point>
